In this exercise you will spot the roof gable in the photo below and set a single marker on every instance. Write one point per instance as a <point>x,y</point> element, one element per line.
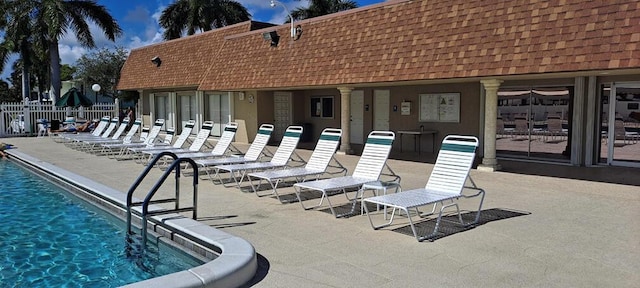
<point>184,60</point>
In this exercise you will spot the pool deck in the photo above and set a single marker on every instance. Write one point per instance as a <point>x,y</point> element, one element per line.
<point>535,231</point>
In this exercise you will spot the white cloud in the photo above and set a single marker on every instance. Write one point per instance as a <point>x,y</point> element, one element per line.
<point>261,10</point>
<point>152,32</point>
<point>141,28</point>
<point>69,54</point>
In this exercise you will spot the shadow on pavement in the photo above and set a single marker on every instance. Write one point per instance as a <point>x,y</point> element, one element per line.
<point>450,225</point>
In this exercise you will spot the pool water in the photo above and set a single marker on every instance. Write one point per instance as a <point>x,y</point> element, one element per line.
<point>50,238</point>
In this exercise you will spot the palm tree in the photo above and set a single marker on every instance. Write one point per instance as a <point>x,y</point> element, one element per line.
<point>200,15</point>
<point>18,38</point>
<point>322,7</point>
<point>62,16</point>
<point>37,25</point>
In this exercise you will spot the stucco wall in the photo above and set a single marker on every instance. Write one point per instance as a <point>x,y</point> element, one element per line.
<point>469,111</point>
<point>247,112</point>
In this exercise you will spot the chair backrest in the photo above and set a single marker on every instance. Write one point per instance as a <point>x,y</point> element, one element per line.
<point>375,154</point>
<point>168,137</point>
<point>154,132</point>
<point>110,128</point>
<point>225,139</point>
<point>184,135</point>
<point>325,149</point>
<point>202,136</point>
<point>123,125</point>
<point>287,145</point>
<point>454,161</point>
<point>132,132</point>
<point>521,124</point>
<point>554,124</point>
<point>258,144</point>
<point>145,133</point>
<point>104,121</point>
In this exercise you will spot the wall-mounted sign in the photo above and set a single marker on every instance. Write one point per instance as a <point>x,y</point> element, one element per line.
<point>405,108</point>
<point>440,107</point>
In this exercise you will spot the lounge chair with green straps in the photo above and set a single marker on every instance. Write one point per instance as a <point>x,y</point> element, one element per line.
<point>444,187</point>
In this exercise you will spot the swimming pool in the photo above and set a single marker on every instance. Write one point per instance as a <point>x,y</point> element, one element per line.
<point>51,238</point>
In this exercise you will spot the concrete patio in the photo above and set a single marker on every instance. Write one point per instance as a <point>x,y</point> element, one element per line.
<point>557,230</point>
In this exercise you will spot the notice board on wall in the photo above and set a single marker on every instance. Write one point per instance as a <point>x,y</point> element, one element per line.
<point>440,107</point>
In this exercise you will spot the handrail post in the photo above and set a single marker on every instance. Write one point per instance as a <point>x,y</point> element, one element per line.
<point>137,183</point>
<point>147,200</point>
<point>177,183</point>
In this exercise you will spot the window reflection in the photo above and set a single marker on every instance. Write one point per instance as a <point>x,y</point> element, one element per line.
<point>534,122</point>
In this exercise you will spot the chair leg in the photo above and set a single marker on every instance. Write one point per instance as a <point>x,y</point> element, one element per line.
<point>299,190</point>
<point>393,213</point>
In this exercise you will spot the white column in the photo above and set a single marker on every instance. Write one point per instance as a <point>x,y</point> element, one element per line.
<point>489,162</point>
<point>345,117</point>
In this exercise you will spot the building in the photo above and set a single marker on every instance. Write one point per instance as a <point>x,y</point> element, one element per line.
<point>535,80</point>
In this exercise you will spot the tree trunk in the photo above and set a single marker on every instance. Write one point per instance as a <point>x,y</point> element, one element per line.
<point>26,63</point>
<point>54,55</point>
<point>26,87</point>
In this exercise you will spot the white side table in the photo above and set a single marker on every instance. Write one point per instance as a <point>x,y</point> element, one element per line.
<point>378,186</point>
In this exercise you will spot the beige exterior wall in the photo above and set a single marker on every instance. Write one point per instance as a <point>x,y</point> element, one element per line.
<point>304,111</point>
<point>469,110</point>
<point>246,112</point>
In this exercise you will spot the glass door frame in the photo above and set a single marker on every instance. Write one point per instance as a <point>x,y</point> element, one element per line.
<point>611,138</point>
<point>539,99</point>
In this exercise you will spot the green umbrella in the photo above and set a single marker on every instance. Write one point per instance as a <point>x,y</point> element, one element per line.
<point>73,98</point>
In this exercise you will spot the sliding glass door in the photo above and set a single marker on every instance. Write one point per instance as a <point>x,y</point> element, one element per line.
<point>534,122</point>
<point>218,110</point>
<point>620,124</point>
<point>188,108</point>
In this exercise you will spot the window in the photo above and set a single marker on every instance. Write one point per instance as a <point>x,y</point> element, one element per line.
<point>188,109</point>
<point>162,108</point>
<point>218,110</point>
<point>322,107</point>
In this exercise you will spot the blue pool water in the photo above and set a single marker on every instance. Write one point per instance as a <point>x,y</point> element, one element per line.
<point>50,238</point>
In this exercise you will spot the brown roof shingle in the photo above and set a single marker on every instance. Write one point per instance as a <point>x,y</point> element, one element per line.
<point>418,40</point>
<point>184,60</point>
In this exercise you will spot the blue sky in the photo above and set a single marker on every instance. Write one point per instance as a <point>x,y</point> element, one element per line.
<point>139,22</point>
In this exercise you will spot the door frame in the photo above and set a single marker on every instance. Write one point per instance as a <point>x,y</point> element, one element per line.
<point>352,108</point>
<point>611,120</point>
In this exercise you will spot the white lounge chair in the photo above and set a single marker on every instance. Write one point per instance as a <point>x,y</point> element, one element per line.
<point>89,145</point>
<point>148,140</point>
<point>72,138</point>
<point>67,136</point>
<point>221,147</point>
<point>78,141</point>
<point>369,168</point>
<point>198,142</point>
<point>445,186</point>
<point>254,152</point>
<point>106,148</point>
<point>180,141</point>
<point>285,151</point>
<point>319,161</point>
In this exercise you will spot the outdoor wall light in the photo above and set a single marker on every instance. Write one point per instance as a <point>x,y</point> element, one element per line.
<point>293,30</point>
<point>273,36</point>
<point>156,60</point>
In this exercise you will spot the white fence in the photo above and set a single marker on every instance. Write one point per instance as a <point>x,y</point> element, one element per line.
<point>19,119</point>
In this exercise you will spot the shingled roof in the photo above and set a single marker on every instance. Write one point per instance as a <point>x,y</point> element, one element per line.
<point>184,60</point>
<point>422,40</point>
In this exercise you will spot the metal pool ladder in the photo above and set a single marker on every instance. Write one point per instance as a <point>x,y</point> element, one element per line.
<point>144,212</point>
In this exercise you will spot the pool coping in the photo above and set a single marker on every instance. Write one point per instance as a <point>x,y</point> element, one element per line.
<point>235,265</point>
